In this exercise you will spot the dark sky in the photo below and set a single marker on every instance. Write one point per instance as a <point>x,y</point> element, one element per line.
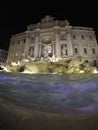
<point>16,16</point>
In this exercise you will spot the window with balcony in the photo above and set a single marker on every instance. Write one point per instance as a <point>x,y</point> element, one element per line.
<point>12,43</point>
<point>74,36</point>
<point>18,42</point>
<point>82,36</point>
<point>24,41</point>
<point>76,50</point>
<point>93,50</point>
<point>85,50</point>
<point>90,37</point>
<point>95,63</point>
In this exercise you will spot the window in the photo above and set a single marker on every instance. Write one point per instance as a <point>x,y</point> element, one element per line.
<point>82,36</point>
<point>86,61</point>
<point>76,50</point>
<point>95,63</point>
<point>66,52</point>
<point>90,37</point>
<point>74,36</point>
<point>85,50</point>
<point>93,50</point>
<point>18,41</point>
<point>12,43</point>
<point>24,40</point>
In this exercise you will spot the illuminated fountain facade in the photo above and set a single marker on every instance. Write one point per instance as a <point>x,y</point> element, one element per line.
<point>53,38</point>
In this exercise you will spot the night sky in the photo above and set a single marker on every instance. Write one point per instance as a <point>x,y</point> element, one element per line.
<point>16,16</point>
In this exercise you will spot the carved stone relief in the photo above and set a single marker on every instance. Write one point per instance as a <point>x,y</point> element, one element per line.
<point>46,50</point>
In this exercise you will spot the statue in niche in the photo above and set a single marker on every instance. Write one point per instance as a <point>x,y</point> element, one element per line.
<point>46,51</point>
<point>49,48</point>
<point>63,50</point>
<point>31,51</point>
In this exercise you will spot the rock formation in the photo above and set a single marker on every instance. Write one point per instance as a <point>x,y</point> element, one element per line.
<point>71,66</point>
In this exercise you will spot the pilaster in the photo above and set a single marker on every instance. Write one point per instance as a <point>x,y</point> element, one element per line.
<point>28,40</point>
<point>36,46</point>
<point>70,44</point>
<point>57,41</point>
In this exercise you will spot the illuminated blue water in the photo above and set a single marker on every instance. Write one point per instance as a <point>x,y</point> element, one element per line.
<point>54,93</point>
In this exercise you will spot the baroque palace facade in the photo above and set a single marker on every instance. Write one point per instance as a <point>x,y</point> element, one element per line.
<point>3,56</point>
<point>52,37</point>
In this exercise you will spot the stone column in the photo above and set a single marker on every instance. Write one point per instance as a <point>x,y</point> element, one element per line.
<point>36,46</point>
<point>70,44</point>
<point>57,42</point>
<point>39,50</point>
<point>53,48</point>
<point>27,43</point>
